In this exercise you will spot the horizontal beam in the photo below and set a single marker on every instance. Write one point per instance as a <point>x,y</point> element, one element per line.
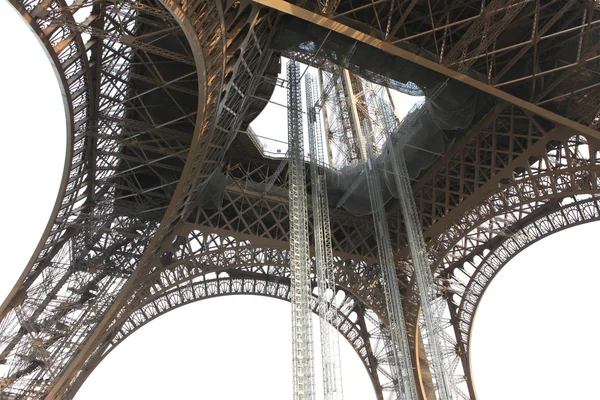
<point>335,26</point>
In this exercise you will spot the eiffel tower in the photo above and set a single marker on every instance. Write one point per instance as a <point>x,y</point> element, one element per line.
<point>165,200</point>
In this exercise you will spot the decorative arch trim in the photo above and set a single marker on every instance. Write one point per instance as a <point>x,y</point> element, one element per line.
<point>347,319</point>
<point>484,269</point>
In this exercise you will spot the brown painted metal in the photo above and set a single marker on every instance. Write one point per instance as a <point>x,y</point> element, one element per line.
<point>355,34</point>
<point>138,241</point>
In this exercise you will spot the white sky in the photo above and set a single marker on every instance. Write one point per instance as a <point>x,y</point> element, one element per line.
<point>534,333</point>
<point>271,125</point>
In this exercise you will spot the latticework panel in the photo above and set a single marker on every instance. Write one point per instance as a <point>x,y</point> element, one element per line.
<point>470,282</point>
<point>127,154</point>
<point>538,54</point>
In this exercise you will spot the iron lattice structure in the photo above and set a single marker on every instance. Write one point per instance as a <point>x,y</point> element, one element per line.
<point>163,203</point>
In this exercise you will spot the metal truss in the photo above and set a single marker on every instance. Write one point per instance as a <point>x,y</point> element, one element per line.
<point>537,55</point>
<point>302,344</point>
<point>120,180</point>
<point>518,163</point>
<point>566,167</point>
<point>90,249</point>
<point>428,292</point>
<point>496,150</point>
<point>332,374</point>
<point>470,282</point>
<point>339,130</point>
<point>400,354</point>
<point>249,212</point>
<point>199,250</point>
<point>212,141</point>
<point>119,249</point>
<point>206,264</point>
<point>479,159</point>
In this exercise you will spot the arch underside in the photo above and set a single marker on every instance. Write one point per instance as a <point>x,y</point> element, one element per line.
<point>566,168</point>
<point>105,265</point>
<point>355,323</point>
<point>273,281</point>
<point>127,149</point>
<point>580,211</point>
<point>560,190</point>
<point>203,265</point>
<point>95,225</point>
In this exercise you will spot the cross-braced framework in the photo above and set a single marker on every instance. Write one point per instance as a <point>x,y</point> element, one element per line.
<point>302,344</point>
<point>165,200</point>
<point>330,356</point>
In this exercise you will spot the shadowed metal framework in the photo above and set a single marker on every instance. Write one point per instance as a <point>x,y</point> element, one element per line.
<point>158,96</point>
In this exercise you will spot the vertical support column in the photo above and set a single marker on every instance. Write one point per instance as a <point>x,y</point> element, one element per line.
<point>299,266</point>
<point>328,132</point>
<point>464,358</point>
<point>401,364</point>
<point>431,309</point>
<point>347,105</point>
<point>332,381</point>
<point>373,361</point>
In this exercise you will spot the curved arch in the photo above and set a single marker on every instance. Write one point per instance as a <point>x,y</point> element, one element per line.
<point>86,213</point>
<point>202,24</point>
<point>568,169</point>
<point>207,149</point>
<point>65,50</point>
<point>199,253</point>
<point>347,319</point>
<point>195,257</point>
<point>224,285</point>
<point>487,266</point>
<point>108,242</point>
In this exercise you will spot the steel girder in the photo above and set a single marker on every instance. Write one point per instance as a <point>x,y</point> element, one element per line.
<point>503,146</point>
<point>548,167</point>
<point>221,46</point>
<point>517,163</point>
<point>540,56</point>
<point>106,217</point>
<point>203,265</point>
<point>563,167</point>
<point>481,270</point>
<point>531,204</point>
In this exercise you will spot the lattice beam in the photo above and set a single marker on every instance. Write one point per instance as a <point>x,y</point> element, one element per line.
<point>505,14</point>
